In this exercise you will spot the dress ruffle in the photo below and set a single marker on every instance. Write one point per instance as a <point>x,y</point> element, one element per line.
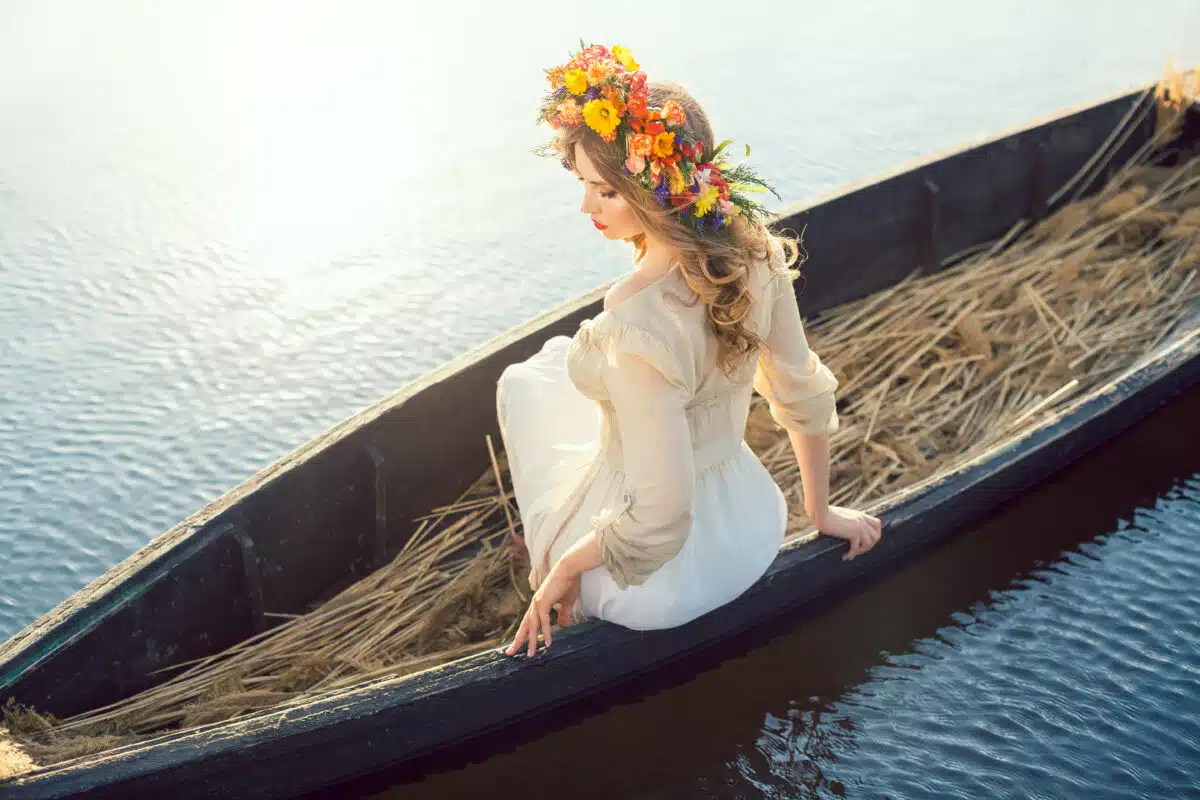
<point>612,335</point>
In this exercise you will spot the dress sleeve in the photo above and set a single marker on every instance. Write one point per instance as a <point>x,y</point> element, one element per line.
<point>799,388</point>
<point>649,394</point>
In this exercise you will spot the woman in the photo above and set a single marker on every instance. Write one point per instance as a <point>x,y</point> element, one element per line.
<point>640,500</point>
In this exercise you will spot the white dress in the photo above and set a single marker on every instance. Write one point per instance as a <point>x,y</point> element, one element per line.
<point>629,428</point>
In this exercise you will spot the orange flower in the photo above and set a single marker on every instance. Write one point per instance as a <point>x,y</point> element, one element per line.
<point>664,144</point>
<point>569,112</point>
<point>598,72</point>
<point>614,97</point>
<point>673,113</point>
<point>642,144</point>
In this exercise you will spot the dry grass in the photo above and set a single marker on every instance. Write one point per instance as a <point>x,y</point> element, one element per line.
<point>931,371</point>
<point>13,759</point>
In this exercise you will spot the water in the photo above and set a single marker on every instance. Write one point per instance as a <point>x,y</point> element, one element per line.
<point>226,226</point>
<point>1051,652</point>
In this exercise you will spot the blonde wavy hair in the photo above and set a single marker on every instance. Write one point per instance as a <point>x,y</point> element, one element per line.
<point>716,267</point>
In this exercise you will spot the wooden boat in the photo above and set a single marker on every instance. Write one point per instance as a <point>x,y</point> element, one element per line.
<point>337,508</point>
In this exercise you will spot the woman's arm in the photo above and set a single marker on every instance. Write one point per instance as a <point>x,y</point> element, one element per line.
<point>812,454</point>
<point>649,528</point>
<point>800,391</point>
<point>582,556</point>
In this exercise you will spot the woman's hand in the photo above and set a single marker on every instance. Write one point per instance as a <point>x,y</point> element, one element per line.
<point>561,586</point>
<point>857,527</point>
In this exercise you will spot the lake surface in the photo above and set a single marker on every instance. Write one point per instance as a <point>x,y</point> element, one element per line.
<point>226,226</point>
<point>1051,652</point>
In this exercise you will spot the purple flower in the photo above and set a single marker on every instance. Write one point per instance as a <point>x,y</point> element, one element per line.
<point>662,193</point>
<point>566,164</point>
<point>592,93</point>
<point>560,92</point>
<point>718,219</point>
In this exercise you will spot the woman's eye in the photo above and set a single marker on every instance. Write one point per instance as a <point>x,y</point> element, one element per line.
<point>609,195</point>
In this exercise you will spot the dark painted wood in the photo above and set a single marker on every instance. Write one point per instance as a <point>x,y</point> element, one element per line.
<point>381,518</point>
<point>929,234</point>
<point>324,515</point>
<point>1039,183</point>
<point>251,576</point>
<point>866,237</point>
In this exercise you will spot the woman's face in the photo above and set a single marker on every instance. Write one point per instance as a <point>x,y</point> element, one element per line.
<point>610,213</point>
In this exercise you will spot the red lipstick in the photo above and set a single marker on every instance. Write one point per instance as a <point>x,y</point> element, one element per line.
<point>598,225</point>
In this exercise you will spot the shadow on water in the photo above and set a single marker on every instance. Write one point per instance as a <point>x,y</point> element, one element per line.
<point>653,736</point>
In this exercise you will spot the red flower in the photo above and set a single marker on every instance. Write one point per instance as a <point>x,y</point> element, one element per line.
<point>687,151</point>
<point>637,106</point>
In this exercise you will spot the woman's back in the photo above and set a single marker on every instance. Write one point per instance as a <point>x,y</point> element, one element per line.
<point>666,320</point>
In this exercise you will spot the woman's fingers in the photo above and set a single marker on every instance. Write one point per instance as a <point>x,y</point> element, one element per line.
<point>519,638</point>
<point>532,613</point>
<point>544,618</point>
<point>855,543</point>
<point>872,533</point>
<point>864,537</point>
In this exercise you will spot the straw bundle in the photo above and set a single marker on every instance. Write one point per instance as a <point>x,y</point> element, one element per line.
<point>931,372</point>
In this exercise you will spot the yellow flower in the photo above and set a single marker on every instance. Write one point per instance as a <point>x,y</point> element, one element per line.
<point>601,116</point>
<point>704,203</point>
<point>675,178</point>
<point>623,55</point>
<point>664,144</point>
<point>576,81</point>
<point>555,76</point>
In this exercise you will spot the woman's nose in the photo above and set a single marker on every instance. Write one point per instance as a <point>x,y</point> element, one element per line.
<point>587,206</point>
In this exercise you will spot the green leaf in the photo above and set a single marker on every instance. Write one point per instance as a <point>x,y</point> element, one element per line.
<point>713,156</point>
<point>747,151</point>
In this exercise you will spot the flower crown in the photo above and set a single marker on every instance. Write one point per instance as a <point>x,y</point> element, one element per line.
<point>606,90</point>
